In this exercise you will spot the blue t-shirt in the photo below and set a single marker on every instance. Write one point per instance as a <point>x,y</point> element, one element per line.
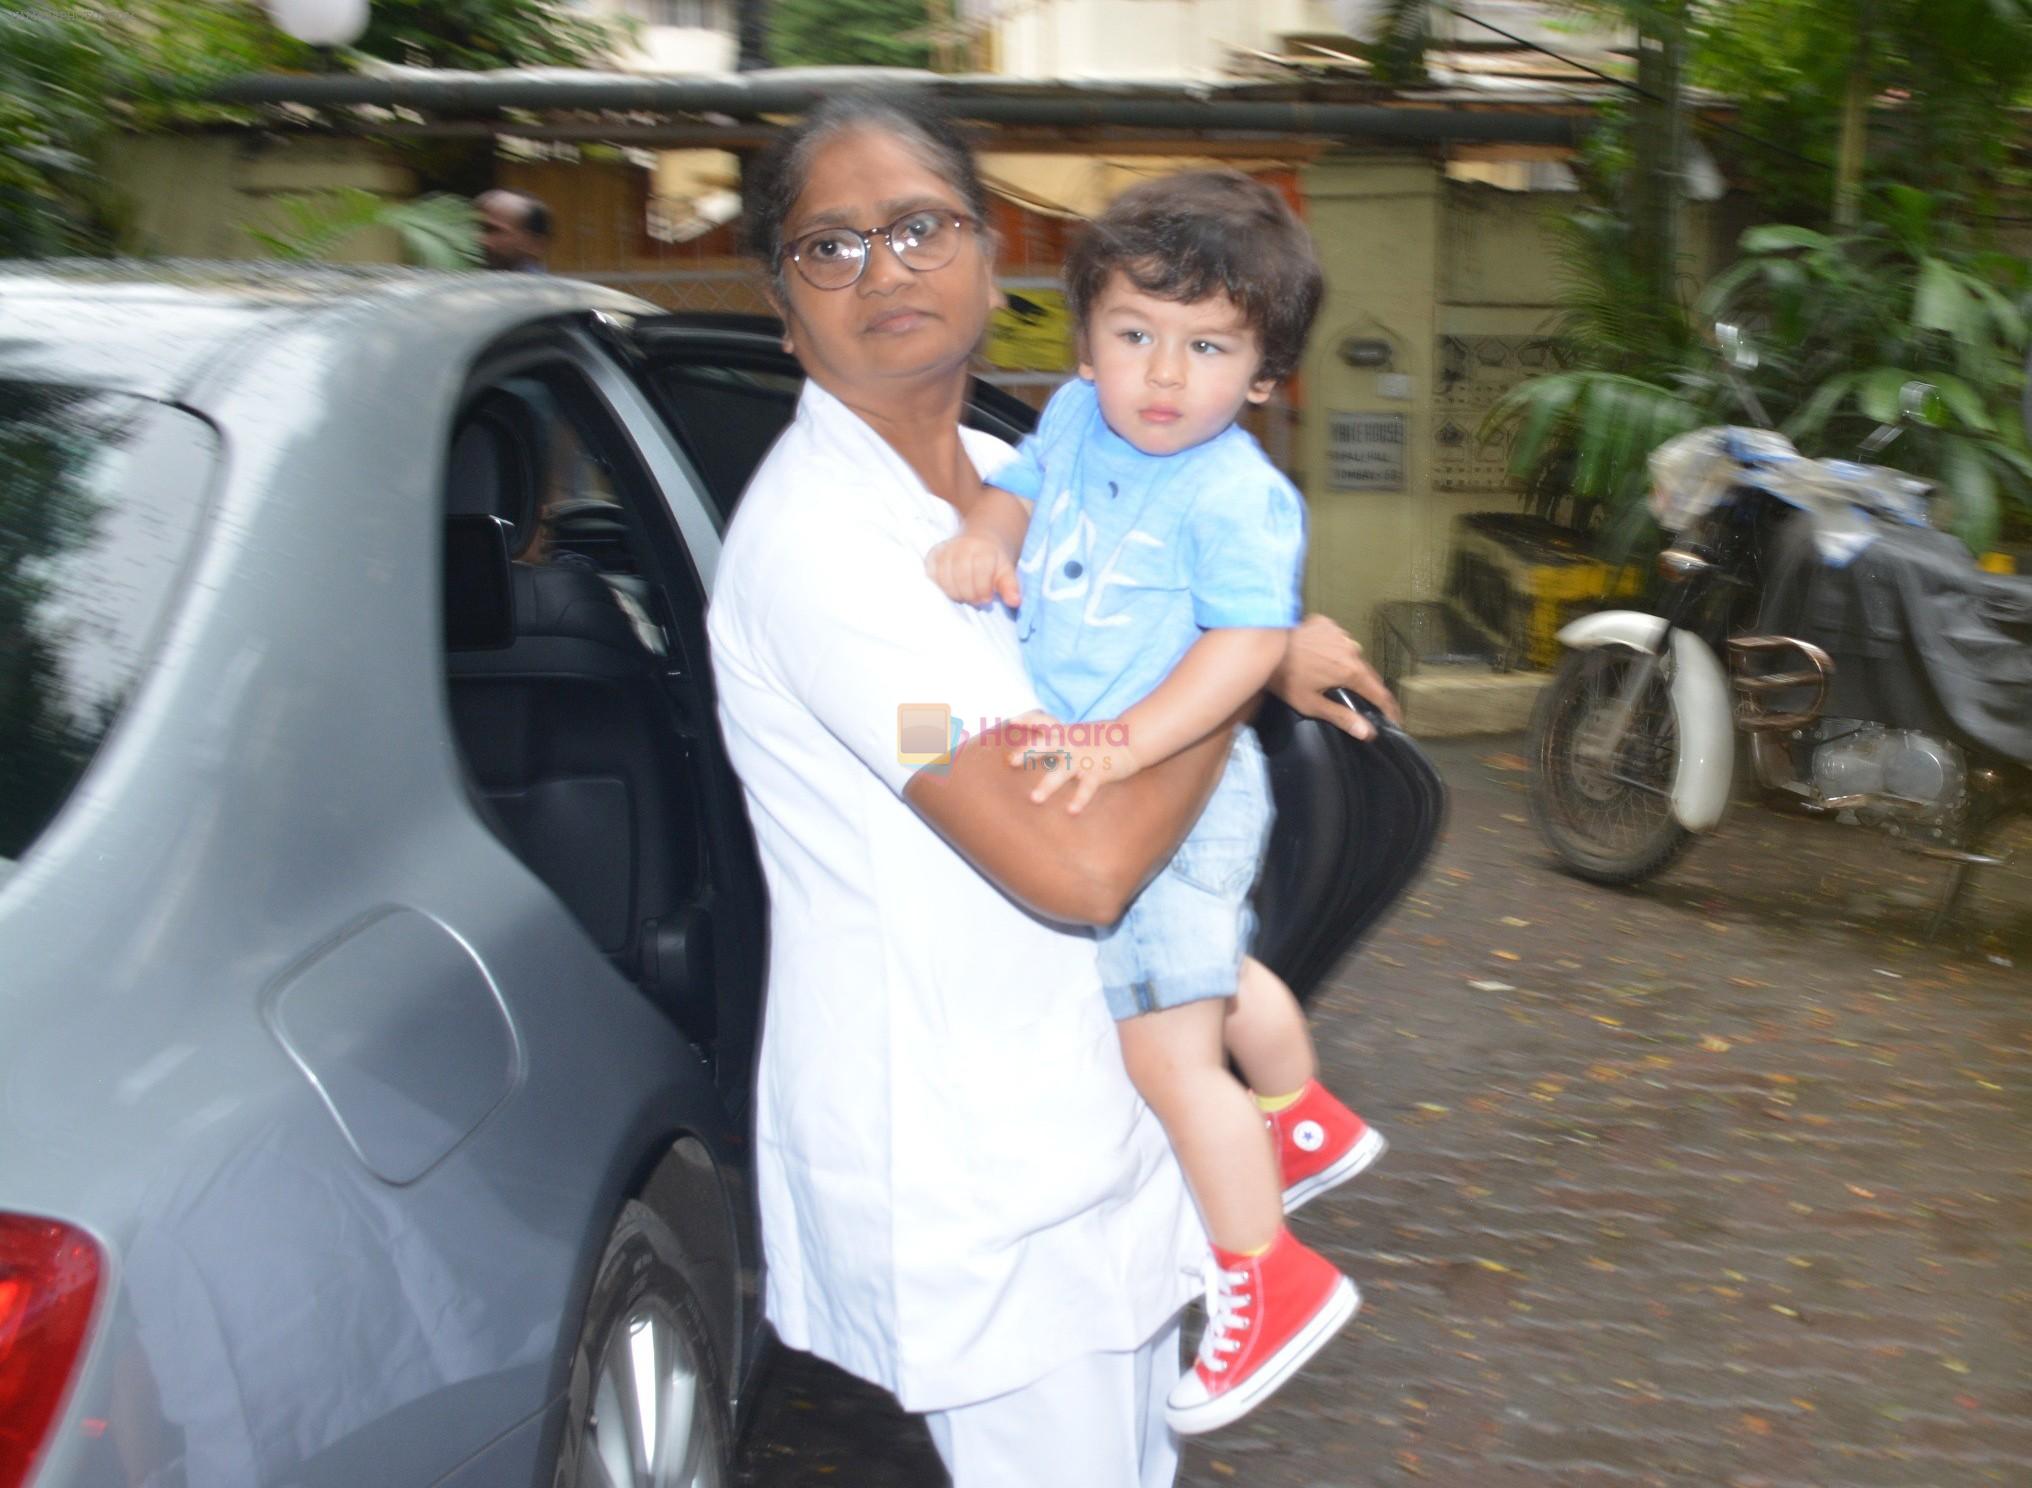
<point>1129,556</point>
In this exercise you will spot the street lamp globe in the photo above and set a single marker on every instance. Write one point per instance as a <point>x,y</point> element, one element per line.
<point>325,23</point>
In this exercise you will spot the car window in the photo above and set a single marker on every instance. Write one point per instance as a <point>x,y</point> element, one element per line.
<point>101,496</point>
<point>727,418</point>
<point>727,414</point>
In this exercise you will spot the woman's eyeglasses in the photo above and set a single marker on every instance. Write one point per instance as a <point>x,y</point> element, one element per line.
<point>836,257</point>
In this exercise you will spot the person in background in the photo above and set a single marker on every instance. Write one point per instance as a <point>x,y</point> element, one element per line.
<point>514,231</point>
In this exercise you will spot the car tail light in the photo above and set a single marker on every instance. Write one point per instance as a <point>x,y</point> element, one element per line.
<point>49,1279</point>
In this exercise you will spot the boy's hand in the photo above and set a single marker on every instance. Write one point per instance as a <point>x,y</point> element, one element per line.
<point>1106,759</point>
<point>974,568</point>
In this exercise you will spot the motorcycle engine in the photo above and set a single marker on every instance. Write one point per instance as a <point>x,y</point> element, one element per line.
<point>1882,772</point>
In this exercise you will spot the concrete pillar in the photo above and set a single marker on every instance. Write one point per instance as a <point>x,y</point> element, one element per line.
<point>1377,219</point>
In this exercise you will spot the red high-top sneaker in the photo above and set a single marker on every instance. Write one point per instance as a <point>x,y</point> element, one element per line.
<point>1321,1144</point>
<point>1266,1316</point>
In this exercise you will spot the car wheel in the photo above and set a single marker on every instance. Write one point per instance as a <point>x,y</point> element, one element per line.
<point>645,1406</point>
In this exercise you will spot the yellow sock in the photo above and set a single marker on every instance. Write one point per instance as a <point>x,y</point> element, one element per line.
<point>1250,1255</point>
<point>1270,1105</point>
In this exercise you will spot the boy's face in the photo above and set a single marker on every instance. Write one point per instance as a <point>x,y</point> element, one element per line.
<point>1170,374</point>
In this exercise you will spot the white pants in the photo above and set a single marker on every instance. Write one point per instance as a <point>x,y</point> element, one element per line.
<point>1097,1422</point>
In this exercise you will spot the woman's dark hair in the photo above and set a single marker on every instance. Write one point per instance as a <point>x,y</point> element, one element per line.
<point>776,178</point>
<point>1191,236</point>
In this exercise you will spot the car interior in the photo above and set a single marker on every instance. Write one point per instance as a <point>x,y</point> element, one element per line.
<point>564,678</point>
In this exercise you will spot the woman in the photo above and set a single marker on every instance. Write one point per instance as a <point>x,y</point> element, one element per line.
<point>961,1197</point>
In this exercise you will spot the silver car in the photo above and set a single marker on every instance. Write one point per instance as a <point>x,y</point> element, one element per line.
<point>380,931</point>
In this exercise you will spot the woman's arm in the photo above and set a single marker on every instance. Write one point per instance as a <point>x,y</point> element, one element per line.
<point>1319,655</point>
<point>1082,869</point>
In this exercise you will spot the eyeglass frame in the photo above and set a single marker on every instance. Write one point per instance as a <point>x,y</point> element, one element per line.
<point>790,249</point>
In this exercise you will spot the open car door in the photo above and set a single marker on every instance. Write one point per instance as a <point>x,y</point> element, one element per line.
<point>1355,820</point>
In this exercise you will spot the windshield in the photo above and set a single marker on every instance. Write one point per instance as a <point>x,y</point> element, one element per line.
<point>100,497</point>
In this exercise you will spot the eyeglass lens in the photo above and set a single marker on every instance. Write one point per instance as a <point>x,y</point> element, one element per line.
<point>834,257</point>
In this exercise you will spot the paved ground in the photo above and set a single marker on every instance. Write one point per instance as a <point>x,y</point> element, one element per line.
<point>1718,1182</point>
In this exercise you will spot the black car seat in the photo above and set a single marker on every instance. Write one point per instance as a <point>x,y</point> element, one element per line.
<point>557,704</point>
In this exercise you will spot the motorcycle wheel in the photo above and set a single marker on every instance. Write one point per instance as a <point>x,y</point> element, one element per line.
<point>1611,821</point>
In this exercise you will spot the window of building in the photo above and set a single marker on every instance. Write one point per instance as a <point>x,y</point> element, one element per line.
<point>696,15</point>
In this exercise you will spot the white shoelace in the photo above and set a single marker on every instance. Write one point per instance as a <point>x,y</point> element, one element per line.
<point>1227,1312</point>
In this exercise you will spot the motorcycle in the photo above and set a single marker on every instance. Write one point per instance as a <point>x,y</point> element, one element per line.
<point>1882,678</point>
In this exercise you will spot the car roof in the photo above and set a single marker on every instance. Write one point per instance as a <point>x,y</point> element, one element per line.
<point>156,328</point>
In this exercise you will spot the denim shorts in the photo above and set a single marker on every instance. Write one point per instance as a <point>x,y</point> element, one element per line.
<point>1184,937</point>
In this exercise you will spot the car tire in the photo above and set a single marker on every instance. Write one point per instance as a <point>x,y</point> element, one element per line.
<point>646,1405</point>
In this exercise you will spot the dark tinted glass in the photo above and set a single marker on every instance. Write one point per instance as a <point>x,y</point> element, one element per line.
<point>727,418</point>
<point>100,497</point>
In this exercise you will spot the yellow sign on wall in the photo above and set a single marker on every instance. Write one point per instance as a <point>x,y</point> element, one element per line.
<point>1032,333</point>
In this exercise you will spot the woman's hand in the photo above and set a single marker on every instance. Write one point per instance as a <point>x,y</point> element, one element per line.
<point>974,568</point>
<point>1320,655</point>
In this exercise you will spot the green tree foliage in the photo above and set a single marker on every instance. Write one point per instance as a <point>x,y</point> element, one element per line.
<point>1844,326</point>
<point>1881,129</point>
<point>73,74</point>
<point>436,231</point>
<point>1942,72</point>
<point>479,35</point>
<point>864,33</point>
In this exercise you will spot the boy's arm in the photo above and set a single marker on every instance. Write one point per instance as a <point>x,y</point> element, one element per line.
<point>980,563</point>
<point>1213,683</point>
<point>1221,674</point>
<point>1000,514</point>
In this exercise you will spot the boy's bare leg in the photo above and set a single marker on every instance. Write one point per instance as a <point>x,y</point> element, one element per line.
<point>1267,1033</point>
<point>1176,1059</point>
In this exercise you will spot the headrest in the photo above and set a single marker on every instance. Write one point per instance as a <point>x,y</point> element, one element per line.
<point>499,460</point>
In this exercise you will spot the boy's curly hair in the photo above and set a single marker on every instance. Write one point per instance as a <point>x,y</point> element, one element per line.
<point>1190,236</point>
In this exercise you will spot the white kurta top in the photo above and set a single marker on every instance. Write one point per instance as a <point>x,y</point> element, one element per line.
<point>960,1191</point>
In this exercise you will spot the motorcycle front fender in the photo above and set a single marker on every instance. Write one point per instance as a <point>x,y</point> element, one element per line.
<point>1706,766</point>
